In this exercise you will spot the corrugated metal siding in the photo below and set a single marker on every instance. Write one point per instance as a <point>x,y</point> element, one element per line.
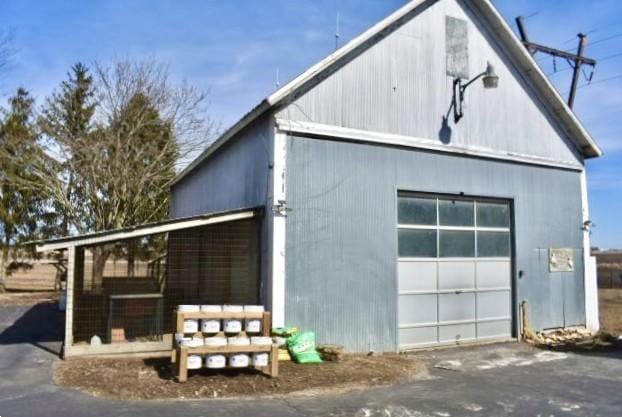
<point>400,86</point>
<point>235,176</point>
<point>342,243</point>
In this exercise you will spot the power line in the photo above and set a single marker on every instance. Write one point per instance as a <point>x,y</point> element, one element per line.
<point>617,35</point>
<point>615,77</point>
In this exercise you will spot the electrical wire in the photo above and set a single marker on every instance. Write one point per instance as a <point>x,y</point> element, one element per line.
<point>615,77</point>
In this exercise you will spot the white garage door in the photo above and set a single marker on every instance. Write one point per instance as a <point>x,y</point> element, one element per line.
<point>454,270</point>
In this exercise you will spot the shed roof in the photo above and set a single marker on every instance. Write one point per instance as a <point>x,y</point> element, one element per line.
<point>486,11</point>
<point>148,229</point>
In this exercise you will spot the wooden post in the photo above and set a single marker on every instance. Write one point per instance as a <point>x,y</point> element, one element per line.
<point>274,361</point>
<point>173,342</point>
<point>266,324</point>
<point>183,365</point>
<point>71,266</point>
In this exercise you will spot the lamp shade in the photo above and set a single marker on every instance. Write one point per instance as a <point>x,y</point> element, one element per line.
<point>491,79</point>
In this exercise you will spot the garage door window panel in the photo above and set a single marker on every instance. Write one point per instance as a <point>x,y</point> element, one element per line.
<point>456,213</point>
<point>492,244</point>
<point>416,211</point>
<point>417,243</point>
<point>456,244</point>
<point>493,215</point>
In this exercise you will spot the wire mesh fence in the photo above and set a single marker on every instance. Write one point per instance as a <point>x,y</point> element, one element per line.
<point>127,290</point>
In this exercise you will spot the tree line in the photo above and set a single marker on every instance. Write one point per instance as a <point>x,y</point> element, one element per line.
<point>97,154</point>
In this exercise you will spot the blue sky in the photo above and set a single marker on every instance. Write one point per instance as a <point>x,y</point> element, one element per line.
<point>233,49</point>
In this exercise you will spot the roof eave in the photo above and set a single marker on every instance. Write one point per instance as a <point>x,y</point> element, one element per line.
<point>224,138</point>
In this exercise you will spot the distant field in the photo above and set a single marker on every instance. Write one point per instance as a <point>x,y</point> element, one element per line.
<point>610,306</point>
<point>609,266</point>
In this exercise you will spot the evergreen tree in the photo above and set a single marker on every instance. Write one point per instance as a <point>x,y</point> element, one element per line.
<point>67,121</point>
<point>21,207</point>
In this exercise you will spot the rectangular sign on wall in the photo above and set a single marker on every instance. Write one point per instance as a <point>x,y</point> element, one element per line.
<point>457,47</point>
<point>561,260</point>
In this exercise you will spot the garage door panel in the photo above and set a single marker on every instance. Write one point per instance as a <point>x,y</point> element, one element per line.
<point>454,307</point>
<point>493,274</point>
<point>456,275</point>
<point>419,335</point>
<point>459,288</point>
<point>456,332</point>
<point>493,304</point>
<point>494,329</point>
<point>417,276</point>
<point>417,309</point>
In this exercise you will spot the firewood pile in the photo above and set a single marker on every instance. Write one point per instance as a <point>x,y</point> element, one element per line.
<point>331,353</point>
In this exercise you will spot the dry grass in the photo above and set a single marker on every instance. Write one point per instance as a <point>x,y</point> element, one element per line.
<point>610,307</point>
<point>27,298</point>
<point>137,379</point>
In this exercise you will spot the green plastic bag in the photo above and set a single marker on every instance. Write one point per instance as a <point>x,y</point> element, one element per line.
<point>302,348</point>
<point>285,331</point>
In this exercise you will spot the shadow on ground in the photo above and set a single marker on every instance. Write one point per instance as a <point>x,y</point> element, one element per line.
<point>41,325</point>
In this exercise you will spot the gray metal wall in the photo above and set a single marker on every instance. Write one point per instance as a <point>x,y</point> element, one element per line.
<point>236,176</point>
<point>342,242</point>
<point>400,86</point>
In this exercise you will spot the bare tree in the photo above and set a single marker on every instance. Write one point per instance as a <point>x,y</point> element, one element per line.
<point>121,166</point>
<point>6,49</point>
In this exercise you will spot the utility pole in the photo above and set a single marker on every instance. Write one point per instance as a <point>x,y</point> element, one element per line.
<point>575,60</point>
<point>577,68</point>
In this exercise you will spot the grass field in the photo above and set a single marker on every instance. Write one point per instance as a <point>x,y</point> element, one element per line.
<point>610,306</point>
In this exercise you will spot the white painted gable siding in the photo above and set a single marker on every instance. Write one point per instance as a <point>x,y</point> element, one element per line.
<point>400,86</point>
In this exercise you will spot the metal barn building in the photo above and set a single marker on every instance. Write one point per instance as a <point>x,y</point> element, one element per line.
<point>390,222</point>
<point>387,200</point>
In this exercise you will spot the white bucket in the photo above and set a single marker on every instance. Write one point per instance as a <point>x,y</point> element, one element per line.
<point>191,326</point>
<point>239,360</point>
<point>239,341</point>
<point>210,308</point>
<point>229,308</point>
<point>192,342</point>
<point>188,308</point>
<point>215,341</point>
<point>233,326</point>
<point>261,340</point>
<point>195,362</point>
<point>183,341</point>
<point>210,325</point>
<point>260,359</point>
<point>215,361</point>
<point>253,309</point>
<point>253,325</point>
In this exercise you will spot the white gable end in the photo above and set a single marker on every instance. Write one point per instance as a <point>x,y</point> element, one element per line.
<point>400,86</point>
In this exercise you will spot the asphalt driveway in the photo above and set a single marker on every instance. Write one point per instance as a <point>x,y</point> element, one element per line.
<point>495,380</point>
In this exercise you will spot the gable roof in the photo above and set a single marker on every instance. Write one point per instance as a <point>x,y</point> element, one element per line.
<point>495,22</point>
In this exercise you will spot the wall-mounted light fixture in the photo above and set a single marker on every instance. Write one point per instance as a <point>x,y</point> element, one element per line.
<point>490,80</point>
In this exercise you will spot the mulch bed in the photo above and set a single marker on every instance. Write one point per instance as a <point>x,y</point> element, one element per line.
<point>27,298</point>
<point>139,379</point>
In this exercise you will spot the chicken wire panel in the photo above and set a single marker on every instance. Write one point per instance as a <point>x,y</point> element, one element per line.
<point>126,291</point>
